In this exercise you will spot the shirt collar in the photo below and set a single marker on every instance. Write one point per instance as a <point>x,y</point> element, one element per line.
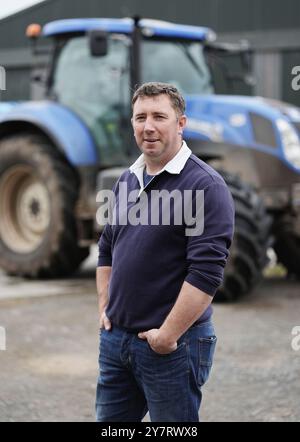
<point>174,166</point>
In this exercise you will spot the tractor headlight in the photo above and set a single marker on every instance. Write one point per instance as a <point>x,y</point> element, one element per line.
<point>290,142</point>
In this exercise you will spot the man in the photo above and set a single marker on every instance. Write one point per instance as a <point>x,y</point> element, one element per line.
<point>156,281</point>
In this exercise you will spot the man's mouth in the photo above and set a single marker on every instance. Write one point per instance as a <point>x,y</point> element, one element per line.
<point>148,140</point>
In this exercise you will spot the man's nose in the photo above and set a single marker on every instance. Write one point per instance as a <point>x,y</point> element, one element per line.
<point>149,126</point>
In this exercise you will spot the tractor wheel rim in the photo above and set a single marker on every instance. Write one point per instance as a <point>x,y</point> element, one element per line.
<point>24,209</point>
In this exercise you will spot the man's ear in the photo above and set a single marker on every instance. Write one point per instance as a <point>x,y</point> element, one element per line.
<point>182,120</point>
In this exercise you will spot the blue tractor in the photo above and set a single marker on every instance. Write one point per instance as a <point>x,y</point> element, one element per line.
<point>56,154</point>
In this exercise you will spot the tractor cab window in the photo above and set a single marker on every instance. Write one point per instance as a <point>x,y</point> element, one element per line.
<point>180,63</point>
<point>97,90</point>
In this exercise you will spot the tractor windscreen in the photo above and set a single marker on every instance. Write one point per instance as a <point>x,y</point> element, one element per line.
<point>182,64</point>
<point>97,90</point>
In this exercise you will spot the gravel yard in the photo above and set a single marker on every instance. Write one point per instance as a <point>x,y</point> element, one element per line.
<point>49,369</point>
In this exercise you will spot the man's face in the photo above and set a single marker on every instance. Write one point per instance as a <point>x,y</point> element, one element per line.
<point>157,128</point>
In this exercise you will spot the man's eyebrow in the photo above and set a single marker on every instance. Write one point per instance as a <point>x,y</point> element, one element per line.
<point>160,113</point>
<point>152,113</point>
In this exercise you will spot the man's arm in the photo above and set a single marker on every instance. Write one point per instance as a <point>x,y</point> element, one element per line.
<point>206,258</point>
<point>103,273</point>
<point>190,305</point>
<point>102,281</point>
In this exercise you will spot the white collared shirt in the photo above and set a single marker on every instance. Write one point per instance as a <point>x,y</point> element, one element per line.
<point>175,165</point>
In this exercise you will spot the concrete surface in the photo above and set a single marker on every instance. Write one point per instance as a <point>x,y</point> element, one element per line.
<point>49,369</point>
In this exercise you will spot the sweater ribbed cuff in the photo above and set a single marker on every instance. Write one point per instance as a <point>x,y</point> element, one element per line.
<point>104,261</point>
<point>201,284</point>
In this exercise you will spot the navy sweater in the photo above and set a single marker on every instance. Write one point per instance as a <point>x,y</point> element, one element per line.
<point>151,262</point>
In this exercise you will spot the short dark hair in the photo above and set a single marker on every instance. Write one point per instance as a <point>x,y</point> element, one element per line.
<point>155,88</point>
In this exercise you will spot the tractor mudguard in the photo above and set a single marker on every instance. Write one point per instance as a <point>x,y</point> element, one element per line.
<point>61,125</point>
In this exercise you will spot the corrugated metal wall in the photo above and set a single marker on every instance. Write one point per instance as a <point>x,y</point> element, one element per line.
<point>263,22</point>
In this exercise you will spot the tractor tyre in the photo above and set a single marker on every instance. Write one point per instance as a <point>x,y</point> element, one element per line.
<point>38,192</point>
<point>287,244</point>
<point>248,253</point>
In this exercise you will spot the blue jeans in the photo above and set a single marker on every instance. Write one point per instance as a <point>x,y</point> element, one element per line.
<point>134,379</point>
